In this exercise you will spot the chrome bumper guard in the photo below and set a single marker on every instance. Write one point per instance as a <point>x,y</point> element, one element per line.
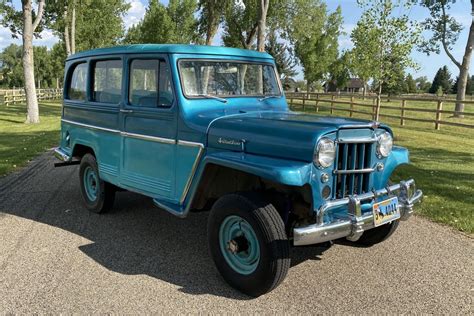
<point>357,223</point>
<point>62,155</point>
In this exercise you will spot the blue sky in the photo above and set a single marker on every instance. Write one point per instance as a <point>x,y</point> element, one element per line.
<point>461,10</point>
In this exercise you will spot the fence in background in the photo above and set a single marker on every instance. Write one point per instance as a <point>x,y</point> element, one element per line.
<point>399,108</point>
<point>15,96</point>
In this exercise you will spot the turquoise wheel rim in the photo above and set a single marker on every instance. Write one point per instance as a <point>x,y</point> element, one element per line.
<point>91,183</point>
<point>239,244</point>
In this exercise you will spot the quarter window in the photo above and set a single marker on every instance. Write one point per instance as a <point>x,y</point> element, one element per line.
<point>150,84</point>
<point>78,83</point>
<point>107,85</point>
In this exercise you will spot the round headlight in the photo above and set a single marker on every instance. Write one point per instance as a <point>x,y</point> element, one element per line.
<point>324,153</point>
<point>385,144</point>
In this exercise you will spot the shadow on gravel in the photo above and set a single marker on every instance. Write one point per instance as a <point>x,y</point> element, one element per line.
<point>134,238</point>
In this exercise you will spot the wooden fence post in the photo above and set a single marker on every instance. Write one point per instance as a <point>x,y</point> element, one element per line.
<point>317,102</point>
<point>304,102</point>
<point>332,103</point>
<point>352,106</point>
<point>402,115</point>
<point>439,108</point>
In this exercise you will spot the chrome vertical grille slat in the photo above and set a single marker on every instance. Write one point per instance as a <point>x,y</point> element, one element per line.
<point>353,168</point>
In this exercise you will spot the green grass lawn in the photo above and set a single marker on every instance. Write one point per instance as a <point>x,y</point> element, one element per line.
<point>442,161</point>
<point>21,142</point>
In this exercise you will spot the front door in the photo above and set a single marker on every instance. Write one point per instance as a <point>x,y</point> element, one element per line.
<point>149,128</point>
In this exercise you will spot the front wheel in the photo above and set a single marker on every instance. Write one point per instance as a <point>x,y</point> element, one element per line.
<point>248,243</point>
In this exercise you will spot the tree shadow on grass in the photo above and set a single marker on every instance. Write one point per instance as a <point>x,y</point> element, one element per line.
<point>135,238</point>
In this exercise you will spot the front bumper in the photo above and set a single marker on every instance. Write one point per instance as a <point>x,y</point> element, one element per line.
<point>353,227</point>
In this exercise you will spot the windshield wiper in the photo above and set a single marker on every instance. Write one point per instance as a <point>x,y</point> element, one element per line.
<point>208,96</point>
<point>269,97</point>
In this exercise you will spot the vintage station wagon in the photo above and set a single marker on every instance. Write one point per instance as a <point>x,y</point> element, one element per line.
<point>198,127</point>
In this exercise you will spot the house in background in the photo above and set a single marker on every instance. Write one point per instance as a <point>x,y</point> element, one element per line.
<point>353,85</point>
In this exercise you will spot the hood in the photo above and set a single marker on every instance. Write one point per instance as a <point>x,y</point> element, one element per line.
<point>277,134</point>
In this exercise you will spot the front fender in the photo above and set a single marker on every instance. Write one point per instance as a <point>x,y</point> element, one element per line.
<point>294,173</point>
<point>399,156</point>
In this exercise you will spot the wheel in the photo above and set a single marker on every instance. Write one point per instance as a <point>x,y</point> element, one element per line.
<point>248,243</point>
<point>378,234</point>
<point>97,194</point>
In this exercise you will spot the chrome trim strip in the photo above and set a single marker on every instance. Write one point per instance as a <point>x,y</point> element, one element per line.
<point>151,138</point>
<point>191,174</point>
<point>356,140</point>
<point>91,126</point>
<point>367,170</point>
<point>190,144</point>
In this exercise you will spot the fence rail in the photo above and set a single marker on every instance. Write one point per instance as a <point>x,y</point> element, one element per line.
<point>15,96</point>
<point>356,104</point>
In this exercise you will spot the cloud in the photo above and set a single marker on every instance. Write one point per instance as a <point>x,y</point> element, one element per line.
<point>134,14</point>
<point>47,38</point>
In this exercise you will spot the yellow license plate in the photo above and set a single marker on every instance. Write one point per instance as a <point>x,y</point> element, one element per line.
<point>386,211</point>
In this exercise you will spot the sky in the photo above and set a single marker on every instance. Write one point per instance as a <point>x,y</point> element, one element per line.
<point>428,65</point>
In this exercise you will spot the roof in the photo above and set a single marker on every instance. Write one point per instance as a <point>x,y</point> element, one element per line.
<point>355,83</point>
<point>171,49</point>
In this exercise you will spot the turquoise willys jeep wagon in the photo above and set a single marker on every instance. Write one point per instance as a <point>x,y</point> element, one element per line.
<point>196,127</point>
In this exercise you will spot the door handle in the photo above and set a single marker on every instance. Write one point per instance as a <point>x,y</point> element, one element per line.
<point>126,111</point>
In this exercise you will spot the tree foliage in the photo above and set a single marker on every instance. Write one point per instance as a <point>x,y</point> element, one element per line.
<point>282,54</point>
<point>174,23</point>
<point>442,80</point>
<point>314,32</point>
<point>422,84</point>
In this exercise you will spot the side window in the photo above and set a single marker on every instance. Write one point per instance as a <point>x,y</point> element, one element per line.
<point>107,81</point>
<point>150,84</point>
<point>78,83</point>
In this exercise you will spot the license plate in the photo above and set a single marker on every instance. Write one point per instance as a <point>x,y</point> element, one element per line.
<point>385,211</point>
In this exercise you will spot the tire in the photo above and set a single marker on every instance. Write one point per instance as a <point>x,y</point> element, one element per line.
<point>97,194</point>
<point>378,234</point>
<point>248,243</point>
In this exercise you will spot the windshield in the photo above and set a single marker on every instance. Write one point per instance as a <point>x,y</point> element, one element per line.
<point>225,79</point>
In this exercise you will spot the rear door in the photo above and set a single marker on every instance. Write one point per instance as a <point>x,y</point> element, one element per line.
<point>148,129</point>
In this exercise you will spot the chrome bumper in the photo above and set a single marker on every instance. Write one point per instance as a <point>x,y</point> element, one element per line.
<point>353,227</point>
<point>62,155</point>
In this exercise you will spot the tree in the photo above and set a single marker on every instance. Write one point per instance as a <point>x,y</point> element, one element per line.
<point>212,14</point>
<point>26,27</point>
<point>12,70</point>
<point>281,53</point>
<point>173,24</point>
<point>262,24</point>
<point>388,39</point>
<point>87,24</point>
<point>314,34</point>
<point>241,24</point>
<point>422,84</point>
<point>454,88</point>
<point>410,84</point>
<point>441,80</point>
<point>445,30</point>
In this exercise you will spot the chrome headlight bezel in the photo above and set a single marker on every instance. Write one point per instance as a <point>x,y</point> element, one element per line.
<point>324,153</point>
<point>384,144</point>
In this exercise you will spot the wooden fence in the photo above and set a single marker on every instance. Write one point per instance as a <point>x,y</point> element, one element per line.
<point>15,96</point>
<point>401,108</point>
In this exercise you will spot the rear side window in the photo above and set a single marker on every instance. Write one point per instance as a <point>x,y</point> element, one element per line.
<point>150,84</point>
<point>78,83</point>
<point>107,81</point>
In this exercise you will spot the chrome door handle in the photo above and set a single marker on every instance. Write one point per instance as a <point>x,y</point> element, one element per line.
<point>126,111</point>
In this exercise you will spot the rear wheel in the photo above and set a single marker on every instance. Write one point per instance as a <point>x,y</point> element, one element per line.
<point>248,243</point>
<point>97,194</point>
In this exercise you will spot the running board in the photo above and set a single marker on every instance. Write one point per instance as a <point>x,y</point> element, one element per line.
<point>175,209</point>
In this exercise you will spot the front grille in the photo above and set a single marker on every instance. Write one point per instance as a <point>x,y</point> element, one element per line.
<point>352,174</point>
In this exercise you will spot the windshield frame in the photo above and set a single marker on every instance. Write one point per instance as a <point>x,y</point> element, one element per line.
<point>218,60</point>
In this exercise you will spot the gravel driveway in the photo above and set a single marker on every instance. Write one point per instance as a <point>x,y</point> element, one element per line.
<point>57,257</point>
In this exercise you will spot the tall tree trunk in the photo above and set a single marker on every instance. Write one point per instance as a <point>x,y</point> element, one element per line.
<point>463,73</point>
<point>28,65</point>
<point>73,28</point>
<point>379,102</point>
<point>67,41</point>
<point>262,24</point>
